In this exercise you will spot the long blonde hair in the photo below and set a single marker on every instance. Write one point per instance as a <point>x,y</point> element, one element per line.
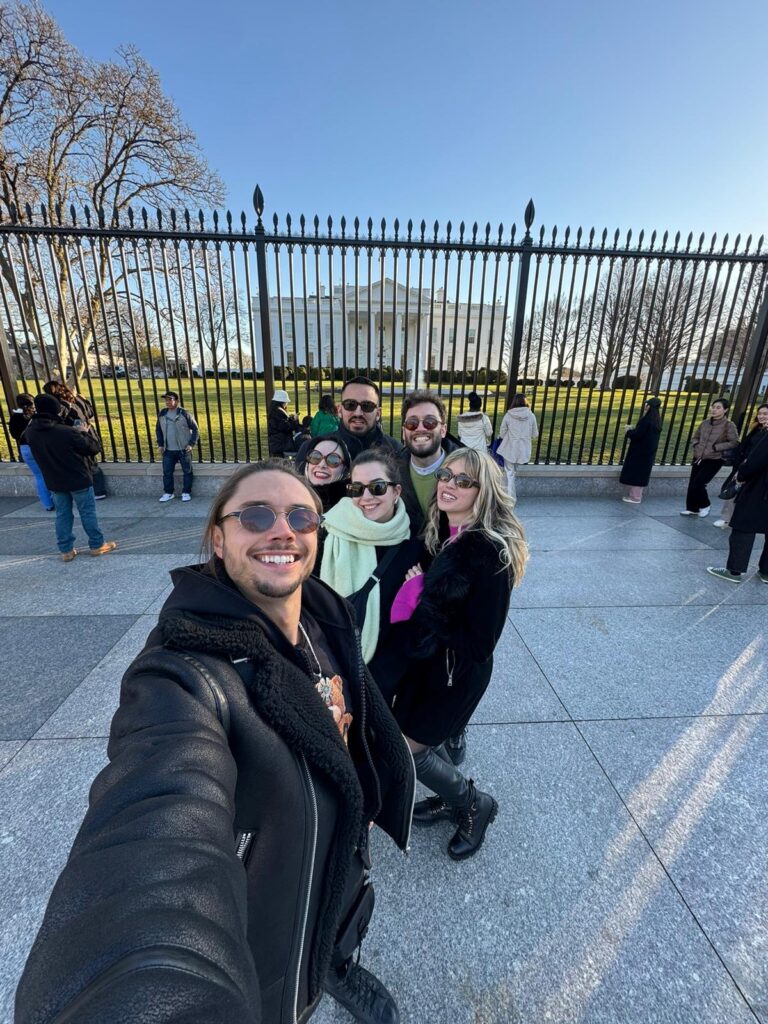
<point>492,514</point>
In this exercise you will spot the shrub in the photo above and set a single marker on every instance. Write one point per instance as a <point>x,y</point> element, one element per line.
<point>627,382</point>
<point>587,382</point>
<point>703,384</point>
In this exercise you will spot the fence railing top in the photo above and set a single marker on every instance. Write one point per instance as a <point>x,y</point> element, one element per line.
<point>184,225</point>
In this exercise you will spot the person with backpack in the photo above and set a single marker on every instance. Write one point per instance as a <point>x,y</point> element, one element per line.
<point>176,433</point>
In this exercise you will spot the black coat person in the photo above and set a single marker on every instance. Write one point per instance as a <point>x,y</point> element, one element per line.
<point>643,444</point>
<point>750,514</point>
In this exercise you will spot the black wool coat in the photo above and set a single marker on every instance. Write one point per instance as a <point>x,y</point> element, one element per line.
<point>449,640</point>
<point>63,453</point>
<point>750,513</point>
<point>641,454</point>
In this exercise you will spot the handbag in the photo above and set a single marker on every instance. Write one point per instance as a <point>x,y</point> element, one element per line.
<point>359,600</point>
<point>495,452</point>
<point>730,456</point>
<point>730,488</point>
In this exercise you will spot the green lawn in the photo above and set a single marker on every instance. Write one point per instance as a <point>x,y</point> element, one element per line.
<point>581,426</point>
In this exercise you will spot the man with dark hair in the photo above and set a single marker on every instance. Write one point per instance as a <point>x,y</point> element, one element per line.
<point>65,457</point>
<point>177,434</point>
<point>226,842</point>
<point>425,445</point>
<point>360,412</point>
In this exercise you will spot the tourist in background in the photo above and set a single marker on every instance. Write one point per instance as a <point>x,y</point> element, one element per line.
<point>64,455</point>
<point>475,429</point>
<point>367,547</point>
<point>750,512</point>
<point>326,467</point>
<point>713,436</point>
<point>518,430</point>
<point>641,453</point>
<point>281,427</point>
<point>756,432</point>
<point>425,444</point>
<point>177,434</point>
<point>17,424</point>
<point>325,420</point>
<point>78,412</point>
<point>449,620</point>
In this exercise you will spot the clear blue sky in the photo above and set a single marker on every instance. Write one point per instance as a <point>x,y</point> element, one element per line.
<point>608,113</point>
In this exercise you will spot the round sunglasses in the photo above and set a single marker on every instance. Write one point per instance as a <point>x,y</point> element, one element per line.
<point>460,480</point>
<point>428,422</point>
<point>332,459</point>
<point>349,404</point>
<point>378,488</point>
<point>259,518</point>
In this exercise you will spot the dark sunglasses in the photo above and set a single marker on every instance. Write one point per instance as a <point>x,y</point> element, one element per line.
<point>259,518</point>
<point>458,479</point>
<point>378,488</point>
<point>428,422</point>
<point>332,459</point>
<point>349,404</point>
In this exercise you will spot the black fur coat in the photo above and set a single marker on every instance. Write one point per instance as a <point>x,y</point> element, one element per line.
<point>450,639</point>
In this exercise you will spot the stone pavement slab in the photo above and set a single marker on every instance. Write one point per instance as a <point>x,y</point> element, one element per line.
<point>43,793</point>
<point>696,787</point>
<point>8,749</point>
<point>158,536</point>
<point>604,533</point>
<point>565,914</point>
<point>110,585</point>
<point>701,530</point>
<point>639,578</point>
<point>607,664</point>
<point>120,508</point>
<point>88,711</point>
<point>36,684</point>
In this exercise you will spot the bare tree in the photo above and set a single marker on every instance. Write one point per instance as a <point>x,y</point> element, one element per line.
<point>78,131</point>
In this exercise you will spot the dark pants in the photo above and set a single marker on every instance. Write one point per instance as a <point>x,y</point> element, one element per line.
<point>739,550</point>
<point>701,474</point>
<point>99,484</point>
<point>170,458</point>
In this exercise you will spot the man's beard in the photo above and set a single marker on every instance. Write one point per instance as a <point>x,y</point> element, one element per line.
<point>426,452</point>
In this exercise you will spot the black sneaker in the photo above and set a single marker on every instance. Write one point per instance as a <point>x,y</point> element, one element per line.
<point>457,747</point>
<point>725,574</point>
<point>432,810</point>
<point>363,995</point>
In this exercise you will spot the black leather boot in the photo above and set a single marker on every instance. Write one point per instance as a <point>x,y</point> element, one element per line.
<point>473,820</point>
<point>456,747</point>
<point>362,994</point>
<point>434,808</point>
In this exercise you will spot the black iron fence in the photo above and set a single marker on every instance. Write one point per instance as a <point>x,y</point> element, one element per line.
<point>222,312</point>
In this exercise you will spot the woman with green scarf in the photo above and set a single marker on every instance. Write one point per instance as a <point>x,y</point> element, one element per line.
<point>367,546</point>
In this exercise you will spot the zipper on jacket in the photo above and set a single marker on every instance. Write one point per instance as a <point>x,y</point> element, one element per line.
<point>308,892</point>
<point>361,680</point>
<point>243,845</point>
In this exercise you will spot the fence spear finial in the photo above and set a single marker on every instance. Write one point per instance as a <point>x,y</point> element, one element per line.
<point>258,204</point>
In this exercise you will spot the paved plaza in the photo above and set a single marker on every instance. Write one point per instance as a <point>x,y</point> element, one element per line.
<point>624,735</point>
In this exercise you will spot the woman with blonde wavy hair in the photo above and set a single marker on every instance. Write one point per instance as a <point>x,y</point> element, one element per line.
<point>451,618</point>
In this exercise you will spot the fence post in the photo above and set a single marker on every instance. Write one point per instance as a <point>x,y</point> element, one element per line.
<point>7,375</point>
<point>750,378</point>
<point>521,295</point>
<point>261,267</point>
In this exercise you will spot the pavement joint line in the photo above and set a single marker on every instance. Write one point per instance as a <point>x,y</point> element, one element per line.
<point>666,872</point>
<point>630,718</point>
<point>550,684</point>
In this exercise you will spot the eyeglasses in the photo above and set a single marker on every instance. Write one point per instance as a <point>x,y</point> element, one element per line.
<point>428,422</point>
<point>259,518</point>
<point>333,459</point>
<point>377,488</point>
<point>349,405</point>
<point>460,480</point>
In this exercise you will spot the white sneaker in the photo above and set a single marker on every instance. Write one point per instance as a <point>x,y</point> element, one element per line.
<point>631,501</point>
<point>721,523</point>
<point>687,513</point>
<point>167,497</point>
<point>186,497</point>
<point>704,512</point>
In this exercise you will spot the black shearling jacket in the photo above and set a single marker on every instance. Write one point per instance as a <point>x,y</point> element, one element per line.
<point>217,858</point>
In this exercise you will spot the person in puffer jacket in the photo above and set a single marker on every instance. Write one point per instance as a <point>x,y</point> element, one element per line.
<point>518,430</point>
<point>475,429</point>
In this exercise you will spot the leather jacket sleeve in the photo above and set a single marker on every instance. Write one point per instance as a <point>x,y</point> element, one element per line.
<point>147,920</point>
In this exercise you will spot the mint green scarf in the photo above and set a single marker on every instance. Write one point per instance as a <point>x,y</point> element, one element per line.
<point>349,557</point>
